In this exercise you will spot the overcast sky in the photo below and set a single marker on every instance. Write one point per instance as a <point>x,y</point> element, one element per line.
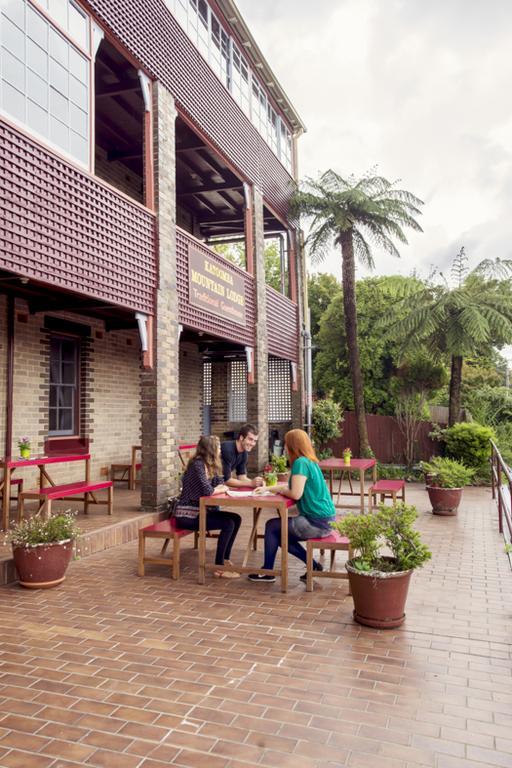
<point>420,88</point>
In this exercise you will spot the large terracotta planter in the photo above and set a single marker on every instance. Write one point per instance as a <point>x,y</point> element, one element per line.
<point>445,501</point>
<point>379,597</point>
<point>44,565</point>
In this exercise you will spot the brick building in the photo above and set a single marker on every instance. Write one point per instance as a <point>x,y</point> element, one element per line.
<point>147,158</point>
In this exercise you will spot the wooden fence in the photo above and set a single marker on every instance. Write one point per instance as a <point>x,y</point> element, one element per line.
<point>386,440</point>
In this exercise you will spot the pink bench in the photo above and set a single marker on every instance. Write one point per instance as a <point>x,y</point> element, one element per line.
<point>333,542</point>
<point>386,489</point>
<point>167,530</point>
<point>66,491</point>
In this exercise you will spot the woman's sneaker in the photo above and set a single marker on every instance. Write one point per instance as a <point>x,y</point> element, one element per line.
<point>316,567</point>
<point>261,577</point>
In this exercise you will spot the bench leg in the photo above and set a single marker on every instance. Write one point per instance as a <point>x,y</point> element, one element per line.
<point>176,558</point>
<point>164,547</point>
<point>309,567</point>
<point>333,558</point>
<point>86,503</point>
<point>110,499</point>
<point>393,501</point>
<point>142,553</point>
<point>196,539</point>
<point>21,507</point>
<point>350,556</point>
<point>403,494</point>
<point>47,509</point>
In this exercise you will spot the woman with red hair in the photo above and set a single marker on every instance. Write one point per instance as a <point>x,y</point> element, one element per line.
<point>308,488</point>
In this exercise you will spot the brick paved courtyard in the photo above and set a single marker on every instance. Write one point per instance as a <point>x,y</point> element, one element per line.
<point>112,670</point>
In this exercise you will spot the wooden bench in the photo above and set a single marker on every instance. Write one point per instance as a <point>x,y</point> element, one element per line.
<point>66,491</point>
<point>169,531</point>
<point>129,471</point>
<point>185,452</point>
<point>333,542</point>
<point>386,489</point>
<point>17,481</point>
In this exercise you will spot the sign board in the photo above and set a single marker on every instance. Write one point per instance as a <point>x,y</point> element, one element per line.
<point>214,287</point>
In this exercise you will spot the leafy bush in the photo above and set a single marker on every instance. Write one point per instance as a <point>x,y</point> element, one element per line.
<point>279,463</point>
<point>504,441</point>
<point>327,417</point>
<point>447,473</point>
<point>35,530</point>
<point>469,442</point>
<point>398,472</point>
<point>391,527</point>
<point>490,405</point>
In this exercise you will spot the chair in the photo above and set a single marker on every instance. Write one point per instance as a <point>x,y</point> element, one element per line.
<point>185,452</point>
<point>332,542</point>
<point>128,472</point>
<point>386,489</point>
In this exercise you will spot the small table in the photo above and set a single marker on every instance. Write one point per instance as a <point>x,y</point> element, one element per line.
<point>44,478</point>
<point>356,465</point>
<point>277,502</point>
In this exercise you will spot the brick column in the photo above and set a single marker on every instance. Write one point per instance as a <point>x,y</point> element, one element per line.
<point>159,386</point>
<point>257,393</point>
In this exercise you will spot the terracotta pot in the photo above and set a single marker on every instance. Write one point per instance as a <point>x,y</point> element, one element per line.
<point>282,477</point>
<point>379,598</point>
<point>44,565</point>
<point>445,501</point>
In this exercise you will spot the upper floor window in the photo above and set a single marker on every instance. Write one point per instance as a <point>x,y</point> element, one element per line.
<point>219,52</point>
<point>240,89</point>
<point>45,77</point>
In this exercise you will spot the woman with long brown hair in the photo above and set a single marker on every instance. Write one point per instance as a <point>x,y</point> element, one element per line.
<point>316,509</point>
<point>203,477</point>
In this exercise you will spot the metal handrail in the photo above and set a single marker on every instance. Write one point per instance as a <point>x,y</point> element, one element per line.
<point>499,470</point>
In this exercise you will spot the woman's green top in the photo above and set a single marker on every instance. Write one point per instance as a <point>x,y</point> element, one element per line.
<point>315,502</point>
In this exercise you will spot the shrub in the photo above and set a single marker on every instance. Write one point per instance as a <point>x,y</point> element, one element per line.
<point>504,441</point>
<point>447,473</point>
<point>391,527</point>
<point>279,463</point>
<point>35,530</point>
<point>469,442</point>
<point>327,417</point>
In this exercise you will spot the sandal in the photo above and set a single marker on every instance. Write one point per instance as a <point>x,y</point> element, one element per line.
<point>226,574</point>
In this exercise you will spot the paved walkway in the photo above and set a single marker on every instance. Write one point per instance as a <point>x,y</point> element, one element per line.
<point>111,670</point>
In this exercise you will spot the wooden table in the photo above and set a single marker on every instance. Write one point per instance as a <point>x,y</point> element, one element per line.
<point>44,478</point>
<point>276,502</point>
<point>356,465</point>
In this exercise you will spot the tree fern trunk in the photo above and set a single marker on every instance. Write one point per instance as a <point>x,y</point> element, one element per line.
<point>455,388</point>
<point>349,306</point>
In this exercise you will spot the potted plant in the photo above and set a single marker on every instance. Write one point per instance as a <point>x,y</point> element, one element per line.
<point>446,479</point>
<point>379,583</point>
<point>347,455</point>
<point>269,475</point>
<point>42,549</point>
<point>280,467</point>
<point>24,446</point>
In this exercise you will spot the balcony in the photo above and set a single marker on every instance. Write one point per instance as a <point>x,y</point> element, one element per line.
<point>68,230</point>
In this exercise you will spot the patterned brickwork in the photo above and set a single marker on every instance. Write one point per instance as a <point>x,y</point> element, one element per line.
<point>160,390</point>
<point>115,670</point>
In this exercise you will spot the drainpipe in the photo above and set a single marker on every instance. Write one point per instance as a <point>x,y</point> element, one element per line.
<point>10,377</point>
<point>308,367</point>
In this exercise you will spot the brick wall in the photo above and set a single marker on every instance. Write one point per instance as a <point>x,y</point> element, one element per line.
<point>110,407</point>
<point>117,174</point>
<point>191,394</point>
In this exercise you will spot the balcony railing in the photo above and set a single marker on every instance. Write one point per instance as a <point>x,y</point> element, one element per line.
<point>501,478</point>
<point>67,229</point>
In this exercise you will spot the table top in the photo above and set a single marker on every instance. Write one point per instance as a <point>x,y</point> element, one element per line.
<point>271,501</point>
<point>334,463</point>
<point>35,461</point>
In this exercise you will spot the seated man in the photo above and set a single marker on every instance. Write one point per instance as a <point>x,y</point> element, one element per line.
<point>234,454</point>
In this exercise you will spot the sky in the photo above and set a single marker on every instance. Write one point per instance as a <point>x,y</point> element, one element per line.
<point>421,89</point>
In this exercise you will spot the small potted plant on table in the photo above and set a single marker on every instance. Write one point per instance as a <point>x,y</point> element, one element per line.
<point>280,467</point>
<point>379,583</point>
<point>347,455</point>
<point>24,446</point>
<point>269,475</point>
<point>446,479</point>
<point>43,548</point>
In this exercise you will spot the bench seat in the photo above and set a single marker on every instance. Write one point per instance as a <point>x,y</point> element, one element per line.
<point>167,530</point>
<point>68,491</point>
<point>334,542</point>
<point>392,489</point>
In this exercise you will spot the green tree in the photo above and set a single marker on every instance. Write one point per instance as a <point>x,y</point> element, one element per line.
<point>351,213</point>
<point>379,355</point>
<point>458,321</point>
<point>235,253</point>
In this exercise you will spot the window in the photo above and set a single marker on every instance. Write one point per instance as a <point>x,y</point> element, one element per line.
<point>219,51</point>
<point>237,391</point>
<point>44,77</point>
<point>279,390</point>
<point>240,80</point>
<point>273,130</point>
<point>64,377</point>
<point>285,147</point>
<point>259,107</point>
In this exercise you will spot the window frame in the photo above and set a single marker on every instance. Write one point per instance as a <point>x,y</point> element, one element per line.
<point>75,430</point>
